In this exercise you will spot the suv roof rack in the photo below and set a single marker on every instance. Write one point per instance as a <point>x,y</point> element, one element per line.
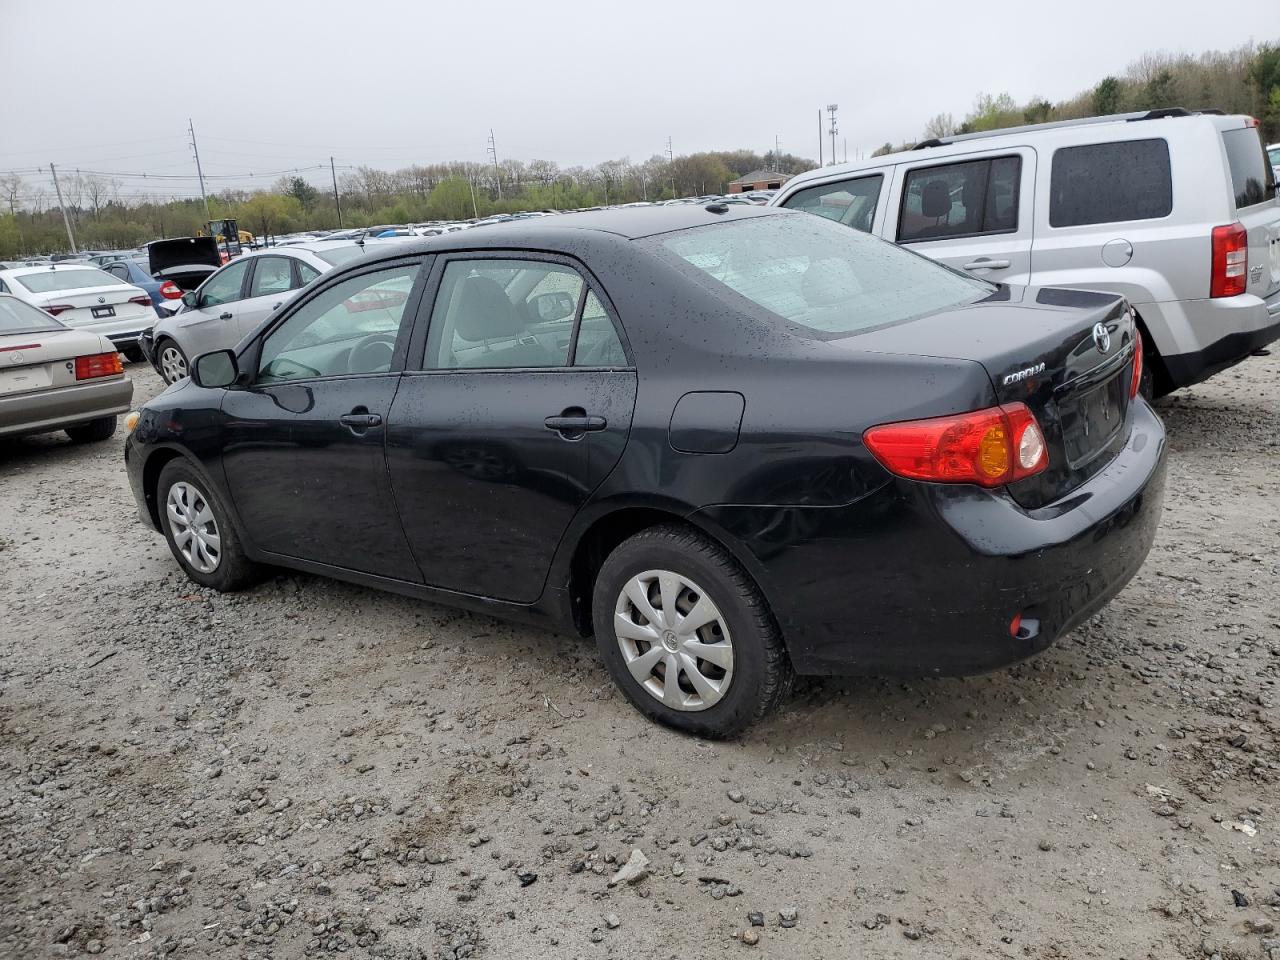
<point>1160,114</point>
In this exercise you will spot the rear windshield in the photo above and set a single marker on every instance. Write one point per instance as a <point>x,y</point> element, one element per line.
<point>340,255</point>
<point>67,280</point>
<point>1251,175</point>
<point>19,317</point>
<point>820,275</point>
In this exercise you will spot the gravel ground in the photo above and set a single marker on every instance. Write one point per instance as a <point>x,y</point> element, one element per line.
<point>312,768</point>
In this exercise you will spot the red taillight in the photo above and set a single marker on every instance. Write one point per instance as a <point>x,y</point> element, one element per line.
<point>1136,382</point>
<point>170,290</point>
<point>98,365</point>
<point>1230,260</point>
<point>989,447</point>
<point>142,301</point>
<point>58,308</point>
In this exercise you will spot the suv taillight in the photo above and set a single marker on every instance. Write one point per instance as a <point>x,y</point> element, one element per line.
<point>1230,260</point>
<point>989,447</point>
<point>98,365</point>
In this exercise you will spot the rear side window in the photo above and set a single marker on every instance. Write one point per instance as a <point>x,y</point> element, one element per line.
<point>966,199</point>
<point>851,202</point>
<point>1110,183</point>
<point>1252,178</point>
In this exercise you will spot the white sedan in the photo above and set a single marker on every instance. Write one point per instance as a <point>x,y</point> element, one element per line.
<point>84,297</point>
<point>53,377</point>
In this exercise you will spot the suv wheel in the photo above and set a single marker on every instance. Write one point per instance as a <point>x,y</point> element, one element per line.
<point>199,530</point>
<point>687,635</point>
<point>171,360</point>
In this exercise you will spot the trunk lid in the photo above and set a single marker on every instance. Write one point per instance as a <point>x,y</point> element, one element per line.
<point>187,261</point>
<point>1066,354</point>
<point>45,359</point>
<point>105,305</point>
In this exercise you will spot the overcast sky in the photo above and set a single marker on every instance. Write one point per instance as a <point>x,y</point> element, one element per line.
<point>276,85</point>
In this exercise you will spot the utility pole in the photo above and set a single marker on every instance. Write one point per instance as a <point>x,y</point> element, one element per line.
<point>671,170</point>
<point>199,173</point>
<point>493,152</point>
<point>833,130</point>
<point>66,221</point>
<point>337,201</point>
<point>846,149</point>
<point>777,153</point>
<point>472,184</point>
<point>820,163</point>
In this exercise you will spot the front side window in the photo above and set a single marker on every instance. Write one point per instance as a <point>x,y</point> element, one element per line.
<point>1110,183</point>
<point>967,199</point>
<point>820,276</point>
<point>272,275</point>
<point>350,328</point>
<point>224,287</point>
<point>503,314</point>
<point>851,202</point>
<point>1252,179</point>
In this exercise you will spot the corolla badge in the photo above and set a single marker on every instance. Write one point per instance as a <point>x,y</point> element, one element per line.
<point>1101,337</point>
<point>1018,375</point>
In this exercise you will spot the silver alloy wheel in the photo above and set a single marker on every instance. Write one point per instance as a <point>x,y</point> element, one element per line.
<point>195,532</point>
<point>173,365</point>
<point>674,640</point>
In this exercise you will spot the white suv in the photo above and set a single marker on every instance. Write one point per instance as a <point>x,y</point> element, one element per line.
<point>1174,210</point>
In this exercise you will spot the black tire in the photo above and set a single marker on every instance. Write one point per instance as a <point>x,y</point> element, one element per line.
<point>233,570</point>
<point>93,431</point>
<point>762,672</point>
<point>133,354</point>
<point>168,343</point>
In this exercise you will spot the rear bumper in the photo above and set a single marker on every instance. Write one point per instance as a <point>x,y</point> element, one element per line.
<point>1231,328</point>
<point>920,579</point>
<point>63,407</point>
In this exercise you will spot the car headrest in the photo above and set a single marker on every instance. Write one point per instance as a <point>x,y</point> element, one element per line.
<point>935,201</point>
<point>829,281</point>
<point>485,312</point>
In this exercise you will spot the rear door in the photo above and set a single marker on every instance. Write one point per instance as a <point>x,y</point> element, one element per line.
<point>1253,183</point>
<point>272,283</point>
<point>519,406</point>
<point>973,213</point>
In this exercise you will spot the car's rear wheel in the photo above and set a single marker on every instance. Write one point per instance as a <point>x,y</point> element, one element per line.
<point>686,633</point>
<point>199,530</point>
<point>171,360</point>
<point>93,431</point>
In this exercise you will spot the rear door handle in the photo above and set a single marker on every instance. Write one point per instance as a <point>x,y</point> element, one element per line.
<point>360,421</point>
<point>986,263</point>
<point>575,424</point>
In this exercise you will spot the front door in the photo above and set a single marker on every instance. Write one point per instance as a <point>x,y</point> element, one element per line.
<point>520,409</point>
<point>304,451</point>
<point>211,324</point>
<point>973,213</point>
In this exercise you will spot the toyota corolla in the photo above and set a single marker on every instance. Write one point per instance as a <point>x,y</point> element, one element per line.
<point>732,444</point>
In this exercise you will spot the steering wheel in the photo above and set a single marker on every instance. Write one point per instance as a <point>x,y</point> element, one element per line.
<point>372,354</point>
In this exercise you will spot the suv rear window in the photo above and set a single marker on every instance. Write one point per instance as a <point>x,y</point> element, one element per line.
<point>822,276</point>
<point>1252,179</point>
<point>1110,183</point>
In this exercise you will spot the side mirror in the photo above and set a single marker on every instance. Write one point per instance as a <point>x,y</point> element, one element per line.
<point>556,305</point>
<point>189,299</point>
<point>217,369</point>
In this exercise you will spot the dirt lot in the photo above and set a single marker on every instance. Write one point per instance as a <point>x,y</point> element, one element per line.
<point>311,767</point>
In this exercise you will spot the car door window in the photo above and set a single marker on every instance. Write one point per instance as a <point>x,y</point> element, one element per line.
<point>503,314</point>
<point>306,273</point>
<point>598,342</point>
<point>350,328</point>
<point>967,199</point>
<point>272,275</point>
<point>851,202</point>
<point>225,286</point>
<point>119,270</point>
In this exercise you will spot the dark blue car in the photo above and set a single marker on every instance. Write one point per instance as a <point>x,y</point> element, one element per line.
<point>134,271</point>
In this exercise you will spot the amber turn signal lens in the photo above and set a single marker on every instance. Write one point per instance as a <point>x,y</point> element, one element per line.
<point>131,420</point>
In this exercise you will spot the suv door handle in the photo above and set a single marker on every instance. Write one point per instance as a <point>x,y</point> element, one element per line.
<point>986,263</point>
<point>224,316</point>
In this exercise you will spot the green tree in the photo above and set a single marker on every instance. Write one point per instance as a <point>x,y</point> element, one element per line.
<point>303,192</point>
<point>269,213</point>
<point>451,200</point>
<point>1263,74</point>
<point>1106,96</point>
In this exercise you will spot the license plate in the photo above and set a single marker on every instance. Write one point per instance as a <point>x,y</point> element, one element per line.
<point>1093,420</point>
<point>101,312</point>
<point>19,381</point>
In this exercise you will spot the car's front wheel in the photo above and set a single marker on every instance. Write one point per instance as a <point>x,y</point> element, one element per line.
<point>93,431</point>
<point>171,360</point>
<point>199,530</point>
<point>686,633</point>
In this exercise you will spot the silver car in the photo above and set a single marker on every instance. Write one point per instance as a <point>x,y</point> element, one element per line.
<point>236,299</point>
<point>1175,211</point>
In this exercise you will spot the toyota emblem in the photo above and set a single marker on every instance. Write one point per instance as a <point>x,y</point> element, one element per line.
<point>1101,337</point>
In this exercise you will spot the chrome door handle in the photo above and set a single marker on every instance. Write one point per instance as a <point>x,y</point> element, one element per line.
<point>986,263</point>
<point>360,421</point>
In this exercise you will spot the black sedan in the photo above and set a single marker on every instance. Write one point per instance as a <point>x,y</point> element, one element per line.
<point>733,444</point>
